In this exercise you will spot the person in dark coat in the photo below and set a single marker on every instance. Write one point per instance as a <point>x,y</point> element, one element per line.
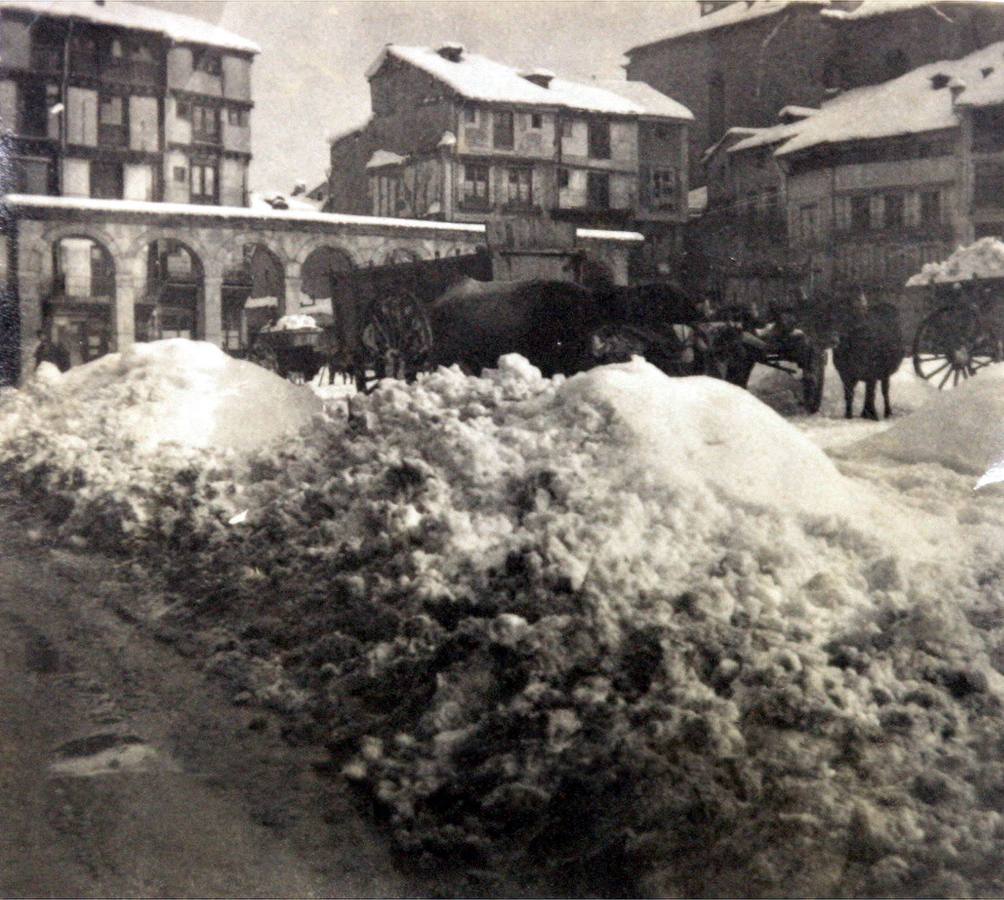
<point>51,352</point>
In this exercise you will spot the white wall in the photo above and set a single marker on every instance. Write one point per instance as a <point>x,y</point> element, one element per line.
<point>138,182</point>
<point>76,178</point>
<point>176,191</point>
<point>144,124</point>
<point>8,105</point>
<point>176,130</point>
<point>82,116</point>
<point>232,182</point>
<point>237,77</point>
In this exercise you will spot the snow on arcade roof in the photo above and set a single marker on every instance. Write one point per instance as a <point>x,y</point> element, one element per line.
<point>476,77</point>
<point>196,211</point>
<point>913,103</point>
<point>177,27</point>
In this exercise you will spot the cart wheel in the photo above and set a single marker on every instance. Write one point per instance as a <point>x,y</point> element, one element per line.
<point>813,375</point>
<point>397,339</point>
<point>952,344</point>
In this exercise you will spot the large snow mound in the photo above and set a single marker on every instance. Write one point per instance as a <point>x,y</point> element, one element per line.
<point>982,259</point>
<point>185,392</point>
<point>961,429</point>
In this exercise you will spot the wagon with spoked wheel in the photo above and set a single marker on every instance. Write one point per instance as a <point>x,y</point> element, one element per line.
<point>964,330</point>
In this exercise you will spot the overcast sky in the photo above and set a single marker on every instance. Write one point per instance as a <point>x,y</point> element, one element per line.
<point>309,80</point>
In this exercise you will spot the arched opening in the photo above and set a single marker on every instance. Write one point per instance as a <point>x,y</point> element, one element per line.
<point>77,313</point>
<point>254,287</point>
<point>400,255</point>
<point>169,306</point>
<point>318,270</point>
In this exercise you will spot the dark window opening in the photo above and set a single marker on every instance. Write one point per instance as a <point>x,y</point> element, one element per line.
<point>474,188</point>
<point>112,128</point>
<point>83,55</point>
<point>106,180</point>
<point>860,213</point>
<point>209,62</point>
<point>599,139</point>
<point>32,176</point>
<point>470,115</point>
<point>503,136</point>
<point>205,124</point>
<point>47,47</point>
<point>180,174</point>
<point>598,190</point>
<point>33,108</point>
<point>930,207</point>
<point>893,211</point>
<point>988,185</point>
<point>988,129</point>
<point>520,187</point>
<point>238,117</point>
<point>536,120</point>
<point>563,178</point>
<point>184,110</point>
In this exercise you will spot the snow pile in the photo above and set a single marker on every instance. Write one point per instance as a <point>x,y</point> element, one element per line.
<point>593,625</point>
<point>294,322</point>
<point>961,429</point>
<point>982,259</point>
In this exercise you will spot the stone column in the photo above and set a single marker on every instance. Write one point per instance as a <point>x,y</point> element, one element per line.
<point>290,305</point>
<point>29,294</point>
<point>211,310</point>
<point>124,313</point>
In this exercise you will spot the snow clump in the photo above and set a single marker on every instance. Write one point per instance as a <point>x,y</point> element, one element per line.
<point>982,259</point>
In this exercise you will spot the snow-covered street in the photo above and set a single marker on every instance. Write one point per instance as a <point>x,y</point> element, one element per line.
<point>655,608</point>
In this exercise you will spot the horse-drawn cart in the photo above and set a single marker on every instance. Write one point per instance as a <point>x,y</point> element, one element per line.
<point>964,332</point>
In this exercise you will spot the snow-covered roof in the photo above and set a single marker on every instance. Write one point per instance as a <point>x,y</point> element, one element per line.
<point>341,133</point>
<point>653,102</point>
<point>870,8</point>
<point>736,131</point>
<point>764,137</point>
<point>733,14</point>
<point>192,210</point>
<point>795,112</point>
<point>177,27</point>
<point>264,200</point>
<point>909,104</point>
<point>381,158</point>
<point>476,77</point>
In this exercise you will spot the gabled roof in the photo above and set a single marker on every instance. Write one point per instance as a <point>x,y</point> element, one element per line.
<point>870,8</point>
<point>736,132</point>
<point>176,27</point>
<point>476,77</point>
<point>910,104</point>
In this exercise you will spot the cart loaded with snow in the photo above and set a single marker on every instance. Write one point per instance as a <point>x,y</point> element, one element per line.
<point>965,330</point>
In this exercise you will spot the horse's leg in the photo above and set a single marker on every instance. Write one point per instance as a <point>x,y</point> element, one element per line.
<point>849,386</point>
<point>885,396</point>
<point>869,411</point>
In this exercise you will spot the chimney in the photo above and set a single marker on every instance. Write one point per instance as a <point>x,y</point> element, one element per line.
<point>939,80</point>
<point>452,52</point>
<point>540,77</point>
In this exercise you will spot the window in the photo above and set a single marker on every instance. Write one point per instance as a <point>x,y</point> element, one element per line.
<point>599,139</point>
<point>33,108</point>
<point>470,115</point>
<point>115,52</point>
<point>807,222</point>
<point>860,213</point>
<point>203,182</point>
<point>520,187</point>
<point>112,131</point>
<point>503,130</point>
<point>536,120</point>
<point>598,190</point>
<point>474,189</point>
<point>185,110</point>
<point>205,124</point>
<point>930,207</point>
<point>180,174</point>
<point>83,55</point>
<point>566,128</point>
<point>893,211</point>
<point>31,176</point>
<point>209,62</point>
<point>988,185</point>
<point>664,187</point>
<point>106,180</point>
<point>237,117</point>
<point>562,178</point>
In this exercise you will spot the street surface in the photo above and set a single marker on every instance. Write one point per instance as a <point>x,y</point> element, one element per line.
<point>124,771</point>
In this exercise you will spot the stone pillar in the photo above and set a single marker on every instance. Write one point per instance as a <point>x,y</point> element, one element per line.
<point>29,294</point>
<point>124,313</point>
<point>211,310</point>
<point>290,305</point>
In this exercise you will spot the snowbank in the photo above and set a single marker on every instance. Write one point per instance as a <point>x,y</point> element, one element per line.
<point>961,429</point>
<point>293,322</point>
<point>186,392</point>
<point>982,259</point>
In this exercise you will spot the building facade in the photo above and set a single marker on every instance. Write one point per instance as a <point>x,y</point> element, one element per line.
<point>740,63</point>
<point>458,137</point>
<point>123,102</point>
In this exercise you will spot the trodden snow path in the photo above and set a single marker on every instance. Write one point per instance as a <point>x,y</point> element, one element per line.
<point>125,772</point>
